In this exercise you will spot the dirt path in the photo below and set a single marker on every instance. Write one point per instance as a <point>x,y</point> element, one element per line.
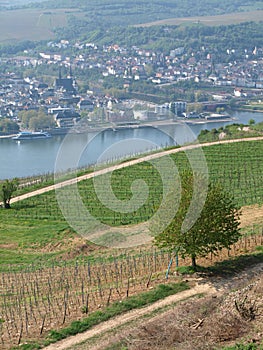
<point>127,164</point>
<point>141,230</point>
<point>130,316</point>
<point>202,286</point>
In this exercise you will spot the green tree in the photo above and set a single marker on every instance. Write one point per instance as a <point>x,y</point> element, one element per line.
<point>8,126</point>
<point>220,109</point>
<point>36,120</point>
<point>195,107</point>
<point>41,122</point>
<point>25,117</point>
<point>7,189</point>
<point>217,226</point>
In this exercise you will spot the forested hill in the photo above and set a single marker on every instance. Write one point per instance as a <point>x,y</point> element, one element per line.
<point>239,37</point>
<point>107,21</point>
<point>123,12</point>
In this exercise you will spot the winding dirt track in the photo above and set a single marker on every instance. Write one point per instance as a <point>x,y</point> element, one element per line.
<point>127,164</point>
<point>130,316</point>
<point>213,287</point>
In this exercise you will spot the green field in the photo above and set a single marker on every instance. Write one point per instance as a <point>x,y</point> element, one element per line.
<point>33,24</point>
<point>35,229</point>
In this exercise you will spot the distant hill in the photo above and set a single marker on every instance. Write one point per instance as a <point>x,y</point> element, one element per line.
<point>33,23</point>
<point>138,11</point>
<point>43,20</point>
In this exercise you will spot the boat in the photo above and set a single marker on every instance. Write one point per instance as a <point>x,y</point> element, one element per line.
<point>217,117</point>
<point>28,135</point>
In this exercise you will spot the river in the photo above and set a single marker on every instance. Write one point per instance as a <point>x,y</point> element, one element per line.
<point>35,157</point>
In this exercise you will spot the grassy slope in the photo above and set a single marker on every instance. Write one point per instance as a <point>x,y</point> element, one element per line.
<point>32,24</point>
<point>36,230</point>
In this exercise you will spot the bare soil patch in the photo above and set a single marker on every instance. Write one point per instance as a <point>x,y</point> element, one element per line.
<point>230,309</point>
<point>251,215</point>
<point>210,322</point>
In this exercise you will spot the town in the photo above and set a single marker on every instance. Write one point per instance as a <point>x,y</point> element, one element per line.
<point>29,102</point>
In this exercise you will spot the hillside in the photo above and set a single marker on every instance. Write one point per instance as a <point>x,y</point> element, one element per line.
<point>46,20</point>
<point>51,276</point>
<point>126,12</point>
<point>76,251</point>
<point>216,20</point>
<point>215,313</point>
<point>38,220</point>
<point>32,24</point>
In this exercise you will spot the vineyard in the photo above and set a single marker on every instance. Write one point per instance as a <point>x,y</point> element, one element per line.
<point>41,291</point>
<point>40,299</point>
<point>238,166</point>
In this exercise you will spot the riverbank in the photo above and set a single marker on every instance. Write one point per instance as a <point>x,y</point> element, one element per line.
<point>23,159</point>
<point>135,125</point>
<point>249,110</point>
<point>148,124</point>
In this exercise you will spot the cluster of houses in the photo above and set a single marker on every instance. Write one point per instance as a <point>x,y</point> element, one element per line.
<point>242,70</point>
<point>65,104</point>
<point>61,101</point>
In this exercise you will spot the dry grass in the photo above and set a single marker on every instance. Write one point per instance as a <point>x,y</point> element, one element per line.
<point>205,323</point>
<point>230,18</point>
<point>251,215</point>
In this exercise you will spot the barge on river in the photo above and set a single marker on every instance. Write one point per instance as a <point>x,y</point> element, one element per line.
<point>28,135</point>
